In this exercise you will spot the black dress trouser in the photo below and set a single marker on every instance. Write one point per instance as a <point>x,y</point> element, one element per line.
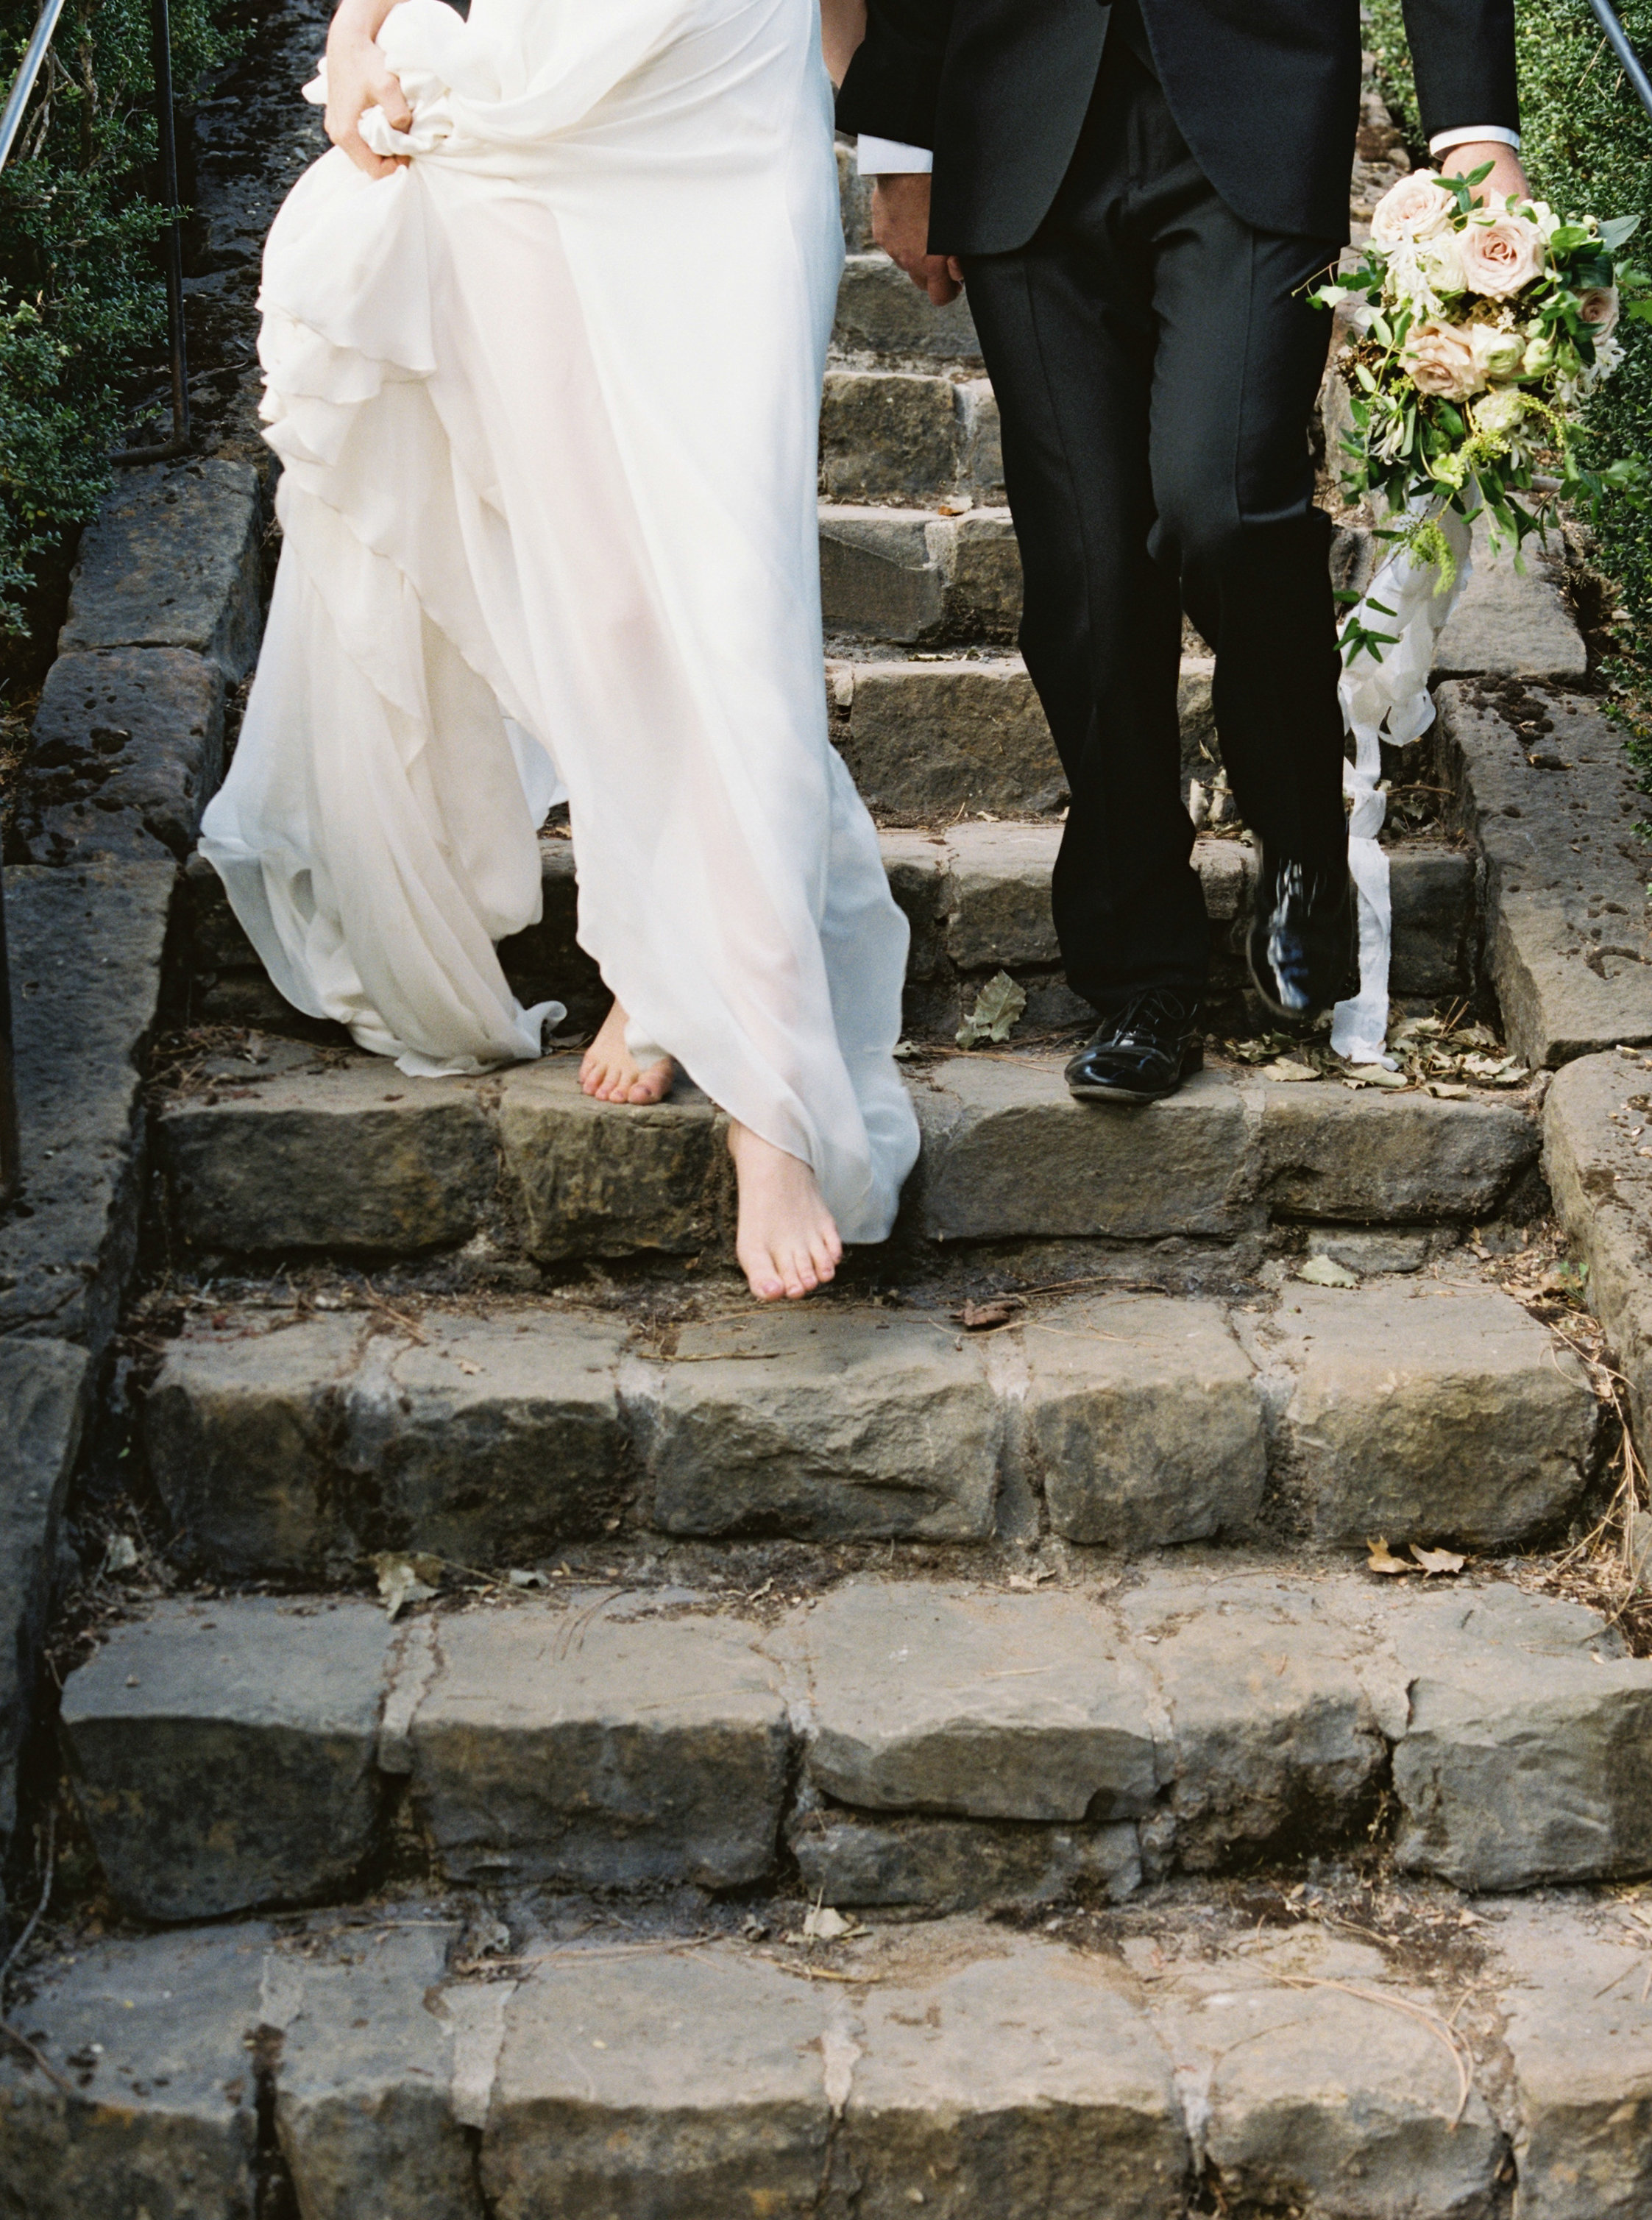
<point>1155,369</point>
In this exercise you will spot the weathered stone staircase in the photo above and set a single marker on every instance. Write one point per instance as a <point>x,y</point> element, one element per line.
<point>928,1749</point>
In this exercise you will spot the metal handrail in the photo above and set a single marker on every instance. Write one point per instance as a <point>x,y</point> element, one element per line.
<point>11,119</point>
<point>1617,39</point>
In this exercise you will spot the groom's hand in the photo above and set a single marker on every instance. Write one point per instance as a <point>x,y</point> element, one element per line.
<point>1508,176</point>
<point>901,227</point>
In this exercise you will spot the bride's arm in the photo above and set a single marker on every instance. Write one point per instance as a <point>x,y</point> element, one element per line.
<point>357,79</point>
<point>843,26</point>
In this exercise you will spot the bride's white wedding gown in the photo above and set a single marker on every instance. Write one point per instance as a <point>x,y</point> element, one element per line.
<point>546,403</point>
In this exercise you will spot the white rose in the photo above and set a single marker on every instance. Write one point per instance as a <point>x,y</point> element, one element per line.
<point>1498,353</point>
<point>1439,263</point>
<point>1418,207</point>
<point>1501,252</point>
<point>1441,360</point>
<point>1500,411</point>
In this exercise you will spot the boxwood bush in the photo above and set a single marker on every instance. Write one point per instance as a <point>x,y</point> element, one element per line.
<point>1587,149</point>
<point>82,302</point>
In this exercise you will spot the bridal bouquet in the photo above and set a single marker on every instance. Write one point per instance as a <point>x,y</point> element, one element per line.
<point>1480,330</point>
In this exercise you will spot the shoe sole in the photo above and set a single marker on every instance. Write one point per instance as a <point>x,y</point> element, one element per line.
<point>1193,1062</point>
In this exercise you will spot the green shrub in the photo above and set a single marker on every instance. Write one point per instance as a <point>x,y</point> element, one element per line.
<point>1587,149</point>
<point>81,298</point>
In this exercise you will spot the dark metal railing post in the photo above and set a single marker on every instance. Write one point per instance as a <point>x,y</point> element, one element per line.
<point>160,29</point>
<point>1617,39</point>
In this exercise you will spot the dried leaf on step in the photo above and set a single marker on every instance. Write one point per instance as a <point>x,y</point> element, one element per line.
<point>822,1924</point>
<point>1448,1091</point>
<point>121,1555</point>
<point>1438,1560</point>
<point>1326,1272</point>
<point>1285,1068</point>
<point>1378,1074</point>
<point>465,1365</point>
<point>999,1003</point>
<point>519,1578</point>
<point>904,1051</point>
<point>1028,1583</point>
<point>977,1317</point>
<point>1380,1561</point>
<point>403,1580</point>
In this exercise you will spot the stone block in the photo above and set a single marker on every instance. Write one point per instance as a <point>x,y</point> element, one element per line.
<point>127,750</point>
<point>984,586</point>
<point>338,1158</point>
<point>1008,1153</point>
<point>1432,894</point>
<point>221,1753</point>
<point>879,574</point>
<point>1431,1412</point>
<point>983,469</point>
<point>1525,1754</point>
<point>854,203</point>
<point>1323,2089</point>
<point>881,312</point>
<point>997,912</point>
<point>917,864</point>
<point>1144,1421</point>
<point>831,1424</point>
<point>363,2109</point>
<point>1577,2030</point>
<point>941,1698</point>
<point>1272,1742</point>
<point>887,435</point>
<point>924,740</point>
<point>171,560</point>
<point>1597,1118</point>
<point>45,1395</point>
<point>692,2085</point>
<point>1542,783</point>
<point>85,945</point>
<point>577,1745</point>
<point>1329,1152</point>
<point>1512,619</point>
<point>954,1865</point>
<point>1029,2084</point>
<point>589,1182</point>
<point>486,1440</point>
<point>153,2034</point>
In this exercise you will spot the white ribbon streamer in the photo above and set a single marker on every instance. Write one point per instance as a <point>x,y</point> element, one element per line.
<point>1386,696</point>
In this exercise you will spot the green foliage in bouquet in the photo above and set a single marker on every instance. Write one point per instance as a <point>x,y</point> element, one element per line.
<point>81,299</point>
<point>1481,334</point>
<point>1587,144</point>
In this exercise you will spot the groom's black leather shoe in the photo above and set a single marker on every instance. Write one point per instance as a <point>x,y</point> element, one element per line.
<point>1143,1054</point>
<point>1303,945</point>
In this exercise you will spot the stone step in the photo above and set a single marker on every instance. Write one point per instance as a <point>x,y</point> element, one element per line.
<point>291,1445</point>
<point>882,318</point>
<point>1300,2060</point>
<point>896,435</point>
<point>977,896</point>
<point>916,1744</point>
<point>296,1446</point>
<point>340,1154</point>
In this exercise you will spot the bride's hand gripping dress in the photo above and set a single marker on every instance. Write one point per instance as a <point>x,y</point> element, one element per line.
<point>546,394</point>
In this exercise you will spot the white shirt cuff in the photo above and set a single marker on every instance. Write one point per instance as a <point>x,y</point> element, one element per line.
<point>1467,134</point>
<point>889,157</point>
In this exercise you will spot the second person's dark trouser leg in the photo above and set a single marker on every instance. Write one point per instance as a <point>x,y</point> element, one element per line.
<point>1155,369</point>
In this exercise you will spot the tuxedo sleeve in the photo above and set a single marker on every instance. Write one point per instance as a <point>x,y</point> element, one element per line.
<point>892,85</point>
<point>1462,54</point>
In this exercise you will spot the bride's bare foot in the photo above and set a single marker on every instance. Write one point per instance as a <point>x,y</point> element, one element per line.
<point>610,1072</point>
<point>787,1244</point>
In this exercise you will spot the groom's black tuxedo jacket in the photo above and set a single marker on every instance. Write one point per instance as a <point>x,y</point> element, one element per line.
<point>1266,93</point>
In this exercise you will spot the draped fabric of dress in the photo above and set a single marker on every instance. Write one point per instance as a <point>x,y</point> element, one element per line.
<point>546,403</point>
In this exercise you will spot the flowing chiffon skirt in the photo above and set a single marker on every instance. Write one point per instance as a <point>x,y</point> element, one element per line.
<point>547,404</point>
